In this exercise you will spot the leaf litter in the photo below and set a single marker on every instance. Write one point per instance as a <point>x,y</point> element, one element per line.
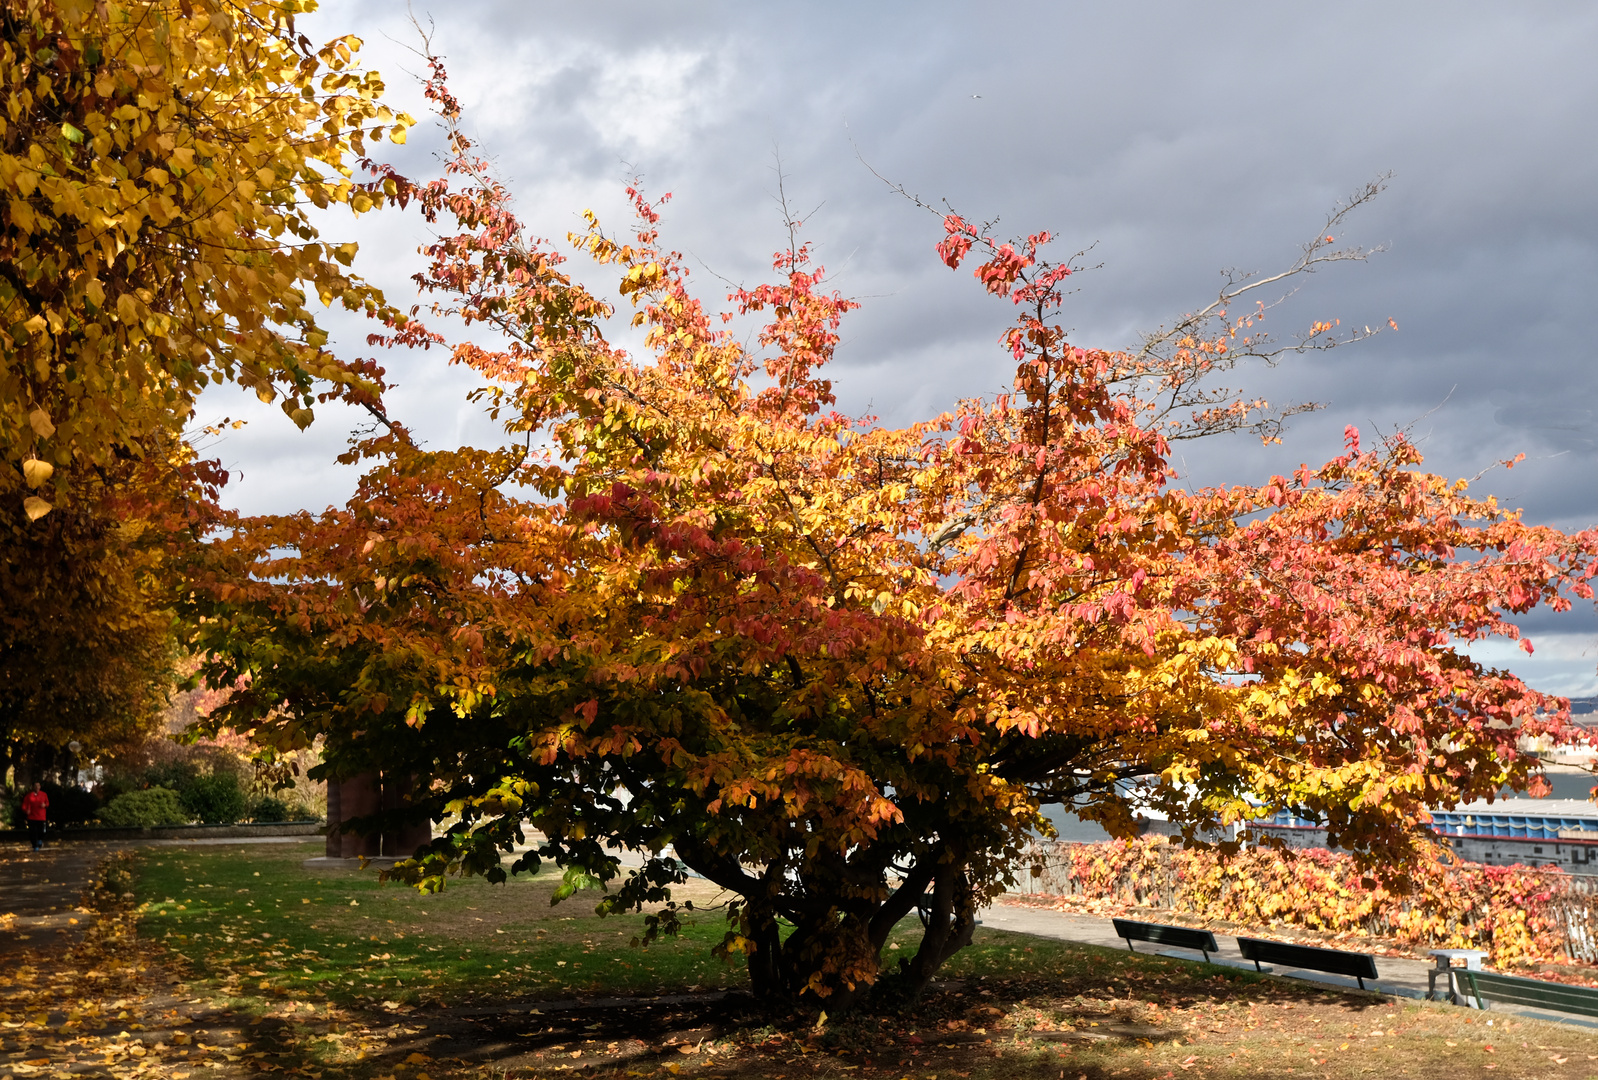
<point>118,1004</point>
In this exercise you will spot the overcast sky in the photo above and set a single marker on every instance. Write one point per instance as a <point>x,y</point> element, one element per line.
<point>1179,138</point>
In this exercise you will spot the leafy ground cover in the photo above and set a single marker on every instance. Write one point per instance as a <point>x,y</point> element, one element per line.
<point>361,983</point>
<point>254,920</point>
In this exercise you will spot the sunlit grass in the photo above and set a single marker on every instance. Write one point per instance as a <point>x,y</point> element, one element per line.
<point>251,915</point>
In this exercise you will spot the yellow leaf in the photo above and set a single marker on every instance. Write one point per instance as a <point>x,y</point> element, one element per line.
<point>36,472</point>
<point>35,507</point>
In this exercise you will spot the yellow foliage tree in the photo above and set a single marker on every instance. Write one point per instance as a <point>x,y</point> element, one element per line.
<point>159,160</point>
<point>86,628</point>
<point>160,165</point>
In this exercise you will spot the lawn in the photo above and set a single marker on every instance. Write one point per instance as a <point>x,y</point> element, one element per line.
<point>252,917</point>
<point>329,976</point>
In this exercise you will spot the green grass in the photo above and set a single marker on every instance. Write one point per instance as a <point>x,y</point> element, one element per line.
<point>302,961</point>
<point>251,916</point>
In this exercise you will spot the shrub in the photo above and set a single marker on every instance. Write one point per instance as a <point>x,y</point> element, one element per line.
<point>215,799</point>
<point>1517,913</point>
<point>270,808</point>
<point>147,808</point>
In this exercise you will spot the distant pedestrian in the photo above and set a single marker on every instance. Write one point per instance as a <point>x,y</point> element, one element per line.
<point>36,808</point>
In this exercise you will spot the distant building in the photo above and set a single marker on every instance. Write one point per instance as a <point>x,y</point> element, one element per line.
<point>1530,832</point>
<point>1583,752</point>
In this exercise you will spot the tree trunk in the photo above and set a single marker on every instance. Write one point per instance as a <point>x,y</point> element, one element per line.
<point>949,925</point>
<point>832,957</point>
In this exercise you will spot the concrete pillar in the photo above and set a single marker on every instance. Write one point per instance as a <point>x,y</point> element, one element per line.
<point>401,842</point>
<point>359,796</point>
<point>334,849</point>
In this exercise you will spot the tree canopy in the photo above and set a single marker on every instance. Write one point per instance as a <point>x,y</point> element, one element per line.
<point>87,641</point>
<point>690,609</point>
<point>159,165</point>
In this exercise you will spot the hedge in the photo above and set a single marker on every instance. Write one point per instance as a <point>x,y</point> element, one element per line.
<point>1518,914</point>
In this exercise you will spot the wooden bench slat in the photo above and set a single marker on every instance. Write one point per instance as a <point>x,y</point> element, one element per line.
<point>1181,937</point>
<point>1360,966</point>
<point>1490,986</point>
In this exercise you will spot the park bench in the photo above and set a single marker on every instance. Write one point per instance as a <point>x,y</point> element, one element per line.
<point>1488,987</point>
<point>1357,966</point>
<point>1180,937</point>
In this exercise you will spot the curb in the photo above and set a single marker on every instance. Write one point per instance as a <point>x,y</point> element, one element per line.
<point>171,832</point>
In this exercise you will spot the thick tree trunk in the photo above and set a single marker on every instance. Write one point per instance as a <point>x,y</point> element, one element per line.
<point>831,958</point>
<point>401,840</point>
<point>767,980</point>
<point>949,925</point>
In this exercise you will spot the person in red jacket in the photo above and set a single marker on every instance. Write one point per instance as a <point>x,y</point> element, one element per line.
<point>36,808</point>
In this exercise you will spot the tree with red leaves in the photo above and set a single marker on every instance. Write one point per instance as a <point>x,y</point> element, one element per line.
<point>691,611</point>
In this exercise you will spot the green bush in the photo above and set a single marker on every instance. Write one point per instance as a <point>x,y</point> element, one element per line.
<point>278,808</point>
<point>216,799</point>
<point>147,808</point>
<point>270,808</point>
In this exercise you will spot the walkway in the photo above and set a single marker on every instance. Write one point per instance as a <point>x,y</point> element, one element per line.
<point>1406,978</point>
<point>1400,976</point>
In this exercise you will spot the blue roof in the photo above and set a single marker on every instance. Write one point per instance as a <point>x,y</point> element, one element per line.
<point>1526,819</point>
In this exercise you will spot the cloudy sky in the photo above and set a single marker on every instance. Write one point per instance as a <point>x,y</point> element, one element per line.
<point>1178,138</point>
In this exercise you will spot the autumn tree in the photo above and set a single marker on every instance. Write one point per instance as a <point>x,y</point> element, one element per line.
<point>87,641</point>
<point>691,610</point>
<point>160,165</point>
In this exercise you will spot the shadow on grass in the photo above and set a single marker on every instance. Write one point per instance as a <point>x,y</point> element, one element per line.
<point>274,969</point>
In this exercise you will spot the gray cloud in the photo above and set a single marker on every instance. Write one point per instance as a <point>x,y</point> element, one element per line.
<point>1179,138</point>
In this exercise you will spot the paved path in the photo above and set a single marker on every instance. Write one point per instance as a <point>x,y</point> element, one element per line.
<point>40,889</point>
<point>1406,978</point>
<point>1400,976</point>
